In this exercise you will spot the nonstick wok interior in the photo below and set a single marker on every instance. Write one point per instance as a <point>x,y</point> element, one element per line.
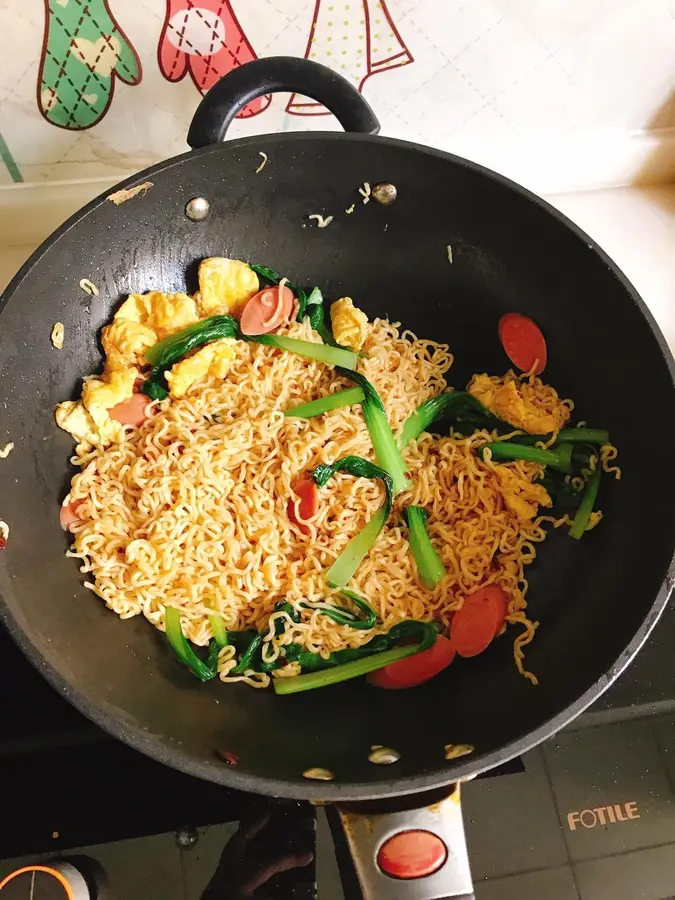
<point>509,252</point>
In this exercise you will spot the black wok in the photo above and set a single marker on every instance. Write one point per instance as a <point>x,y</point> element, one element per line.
<point>597,599</point>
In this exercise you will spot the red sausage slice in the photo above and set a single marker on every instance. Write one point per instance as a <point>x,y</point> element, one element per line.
<point>305,505</point>
<point>267,310</point>
<point>479,621</point>
<point>414,670</point>
<point>523,342</point>
<point>132,411</point>
<point>68,514</point>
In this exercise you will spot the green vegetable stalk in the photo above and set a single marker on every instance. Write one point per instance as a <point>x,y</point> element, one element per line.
<point>457,407</point>
<point>566,436</point>
<point>583,514</point>
<point>505,450</point>
<point>351,557</point>
<point>332,356</point>
<point>205,671</point>
<point>583,436</point>
<point>324,404</point>
<point>429,563</point>
<point>387,452</point>
<point>352,663</point>
<point>219,631</point>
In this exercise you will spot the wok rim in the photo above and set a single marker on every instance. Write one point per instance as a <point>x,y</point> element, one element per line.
<point>337,791</point>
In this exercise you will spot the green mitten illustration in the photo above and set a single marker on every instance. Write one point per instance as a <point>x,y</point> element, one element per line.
<point>84,51</point>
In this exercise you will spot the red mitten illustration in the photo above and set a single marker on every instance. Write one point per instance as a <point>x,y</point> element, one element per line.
<point>205,38</point>
<point>357,39</point>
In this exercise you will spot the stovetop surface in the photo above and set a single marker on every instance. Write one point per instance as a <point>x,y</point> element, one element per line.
<point>590,815</point>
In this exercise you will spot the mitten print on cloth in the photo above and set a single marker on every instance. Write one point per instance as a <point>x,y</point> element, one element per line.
<point>357,39</point>
<point>205,38</point>
<point>84,51</point>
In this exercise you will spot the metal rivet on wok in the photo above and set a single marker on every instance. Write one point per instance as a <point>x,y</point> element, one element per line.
<point>318,774</point>
<point>384,193</point>
<point>197,209</point>
<point>383,756</point>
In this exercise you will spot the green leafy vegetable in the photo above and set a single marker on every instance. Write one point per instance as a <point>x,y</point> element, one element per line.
<point>174,347</point>
<point>457,407</point>
<point>332,356</point>
<point>345,664</point>
<point>166,353</point>
<point>348,397</point>
<point>408,631</point>
<point>351,557</point>
<point>250,658</point>
<point>583,515</point>
<point>429,563</point>
<point>154,390</point>
<point>356,466</point>
<point>344,616</point>
<point>180,645</point>
<point>505,450</point>
<point>387,452</point>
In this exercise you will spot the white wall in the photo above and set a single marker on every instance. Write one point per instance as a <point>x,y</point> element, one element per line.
<point>558,94</point>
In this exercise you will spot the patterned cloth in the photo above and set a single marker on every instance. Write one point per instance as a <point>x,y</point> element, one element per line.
<point>84,51</point>
<point>205,39</point>
<point>356,39</point>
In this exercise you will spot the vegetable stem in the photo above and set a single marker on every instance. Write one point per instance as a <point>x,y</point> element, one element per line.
<point>504,450</point>
<point>566,436</point>
<point>322,405</point>
<point>219,631</point>
<point>583,514</point>
<point>429,563</point>
<point>332,356</point>
<point>387,452</point>
<point>351,557</point>
<point>181,646</point>
<point>424,415</point>
<point>583,436</point>
<point>342,673</point>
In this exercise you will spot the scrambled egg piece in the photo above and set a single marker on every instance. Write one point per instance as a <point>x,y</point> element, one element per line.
<point>99,396</point>
<point>125,342</point>
<point>140,322</point>
<point>225,286</point>
<point>529,405</point>
<point>164,313</point>
<point>349,323</point>
<point>520,495</point>
<point>213,359</point>
<point>72,417</point>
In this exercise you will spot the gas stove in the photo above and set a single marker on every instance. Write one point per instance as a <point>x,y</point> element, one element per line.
<point>589,815</point>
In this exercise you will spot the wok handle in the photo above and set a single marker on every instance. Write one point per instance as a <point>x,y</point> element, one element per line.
<point>368,834</point>
<point>269,76</point>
